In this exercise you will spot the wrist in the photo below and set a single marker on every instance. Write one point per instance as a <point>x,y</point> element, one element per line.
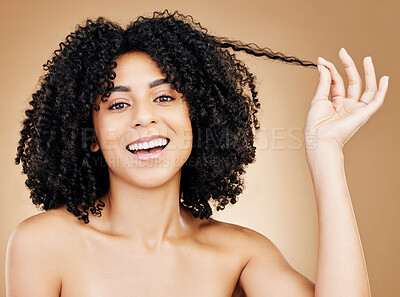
<point>323,153</point>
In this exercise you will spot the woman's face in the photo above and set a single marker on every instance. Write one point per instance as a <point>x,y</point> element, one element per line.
<point>141,105</point>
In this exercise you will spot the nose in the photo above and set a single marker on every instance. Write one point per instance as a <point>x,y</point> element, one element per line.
<point>144,114</point>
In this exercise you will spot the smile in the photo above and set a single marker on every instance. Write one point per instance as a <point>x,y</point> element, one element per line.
<point>147,153</point>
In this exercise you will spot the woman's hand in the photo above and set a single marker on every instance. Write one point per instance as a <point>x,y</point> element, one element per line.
<point>333,121</point>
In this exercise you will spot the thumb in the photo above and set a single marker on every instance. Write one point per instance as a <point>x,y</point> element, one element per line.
<point>324,84</point>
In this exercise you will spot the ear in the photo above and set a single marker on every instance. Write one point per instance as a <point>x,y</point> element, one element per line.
<point>94,146</point>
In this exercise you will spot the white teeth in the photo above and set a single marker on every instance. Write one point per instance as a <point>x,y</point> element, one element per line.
<point>147,145</point>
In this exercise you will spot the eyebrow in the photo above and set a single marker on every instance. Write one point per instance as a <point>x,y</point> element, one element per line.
<point>153,84</point>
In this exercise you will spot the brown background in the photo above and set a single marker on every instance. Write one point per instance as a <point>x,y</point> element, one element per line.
<point>278,200</point>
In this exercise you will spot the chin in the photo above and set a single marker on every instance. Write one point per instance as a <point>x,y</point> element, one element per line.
<point>151,181</point>
<point>150,177</point>
<point>149,173</point>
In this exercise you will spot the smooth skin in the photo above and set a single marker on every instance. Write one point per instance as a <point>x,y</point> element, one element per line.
<point>145,244</point>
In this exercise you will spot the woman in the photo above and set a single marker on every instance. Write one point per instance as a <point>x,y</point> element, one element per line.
<point>145,127</point>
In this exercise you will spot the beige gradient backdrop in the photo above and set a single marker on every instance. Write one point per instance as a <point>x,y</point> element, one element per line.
<point>278,200</point>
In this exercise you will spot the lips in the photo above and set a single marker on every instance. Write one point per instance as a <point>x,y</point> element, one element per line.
<point>147,139</point>
<point>149,153</point>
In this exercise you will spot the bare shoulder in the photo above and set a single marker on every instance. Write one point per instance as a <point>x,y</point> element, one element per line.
<point>47,225</point>
<point>33,255</point>
<point>246,240</point>
<point>43,233</point>
<point>266,271</point>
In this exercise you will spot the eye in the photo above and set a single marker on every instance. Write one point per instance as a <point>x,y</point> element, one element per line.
<point>118,105</point>
<point>164,98</point>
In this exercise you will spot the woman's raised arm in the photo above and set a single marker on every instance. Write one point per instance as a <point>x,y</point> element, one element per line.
<point>341,269</point>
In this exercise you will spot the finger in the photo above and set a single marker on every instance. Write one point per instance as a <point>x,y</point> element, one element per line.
<point>337,84</point>
<point>370,80</point>
<point>377,101</point>
<point>354,89</point>
<point>324,84</point>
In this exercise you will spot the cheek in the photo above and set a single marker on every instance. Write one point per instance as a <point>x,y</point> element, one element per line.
<point>184,131</point>
<point>110,133</point>
<point>188,135</point>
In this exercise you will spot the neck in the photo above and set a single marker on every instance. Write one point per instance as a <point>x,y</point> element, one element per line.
<point>150,216</point>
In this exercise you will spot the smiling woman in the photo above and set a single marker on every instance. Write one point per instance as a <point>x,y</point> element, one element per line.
<point>124,126</point>
<point>216,87</point>
<point>141,108</point>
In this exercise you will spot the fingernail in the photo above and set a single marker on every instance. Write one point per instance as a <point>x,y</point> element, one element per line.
<point>321,60</point>
<point>342,49</point>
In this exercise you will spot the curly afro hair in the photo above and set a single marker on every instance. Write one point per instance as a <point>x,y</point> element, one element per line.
<point>220,90</point>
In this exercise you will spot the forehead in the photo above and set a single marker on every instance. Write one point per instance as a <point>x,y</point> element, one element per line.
<point>136,64</point>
